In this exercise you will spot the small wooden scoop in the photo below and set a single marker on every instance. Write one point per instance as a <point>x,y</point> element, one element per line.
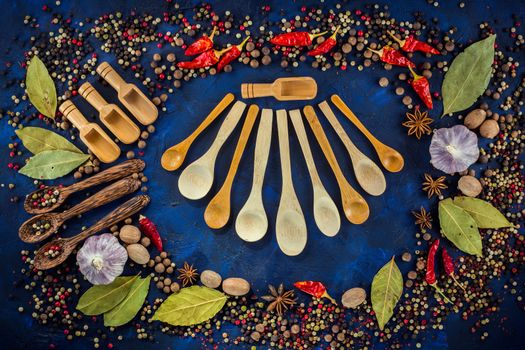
<point>55,220</point>
<point>174,156</point>
<point>129,95</point>
<point>67,245</point>
<point>111,115</point>
<point>114,173</point>
<point>91,134</point>
<point>283,89</point>
<point>391,159</point>
<point>218,210</point>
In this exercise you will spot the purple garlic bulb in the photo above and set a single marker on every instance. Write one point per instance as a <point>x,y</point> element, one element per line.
<point>454,149</point>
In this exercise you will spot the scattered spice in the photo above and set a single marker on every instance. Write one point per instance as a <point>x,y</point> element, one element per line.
<point>150,230</point>
<point>430,275</point>
<point>421,86</point>
<point>204,60</point>
<point>326,46</point>
<point>316,289</point>
<point>411,45</point>
<point>434,186</point>
<point>448,264</point>
<point>201,45</point>
<point>391,56</point>
<point>418,123</point>
<point>423,218</point>
<point>279,299</point>
<point>231,55</point>
<point>187,274</point>
<point>295,39</point>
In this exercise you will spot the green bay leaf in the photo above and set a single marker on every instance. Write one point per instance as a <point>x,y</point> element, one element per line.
<point>48,165</point>
<point>468,76</point>
<point>192,305</point>
<point>37,140</point>
<point>459,227</point>
<point>102,298</point>
<point>130,305</point>
<point>387,287</point>
<point>41,88</point>
<point>485,215</point>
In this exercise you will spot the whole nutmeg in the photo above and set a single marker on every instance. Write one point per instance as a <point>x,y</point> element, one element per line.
<point>469,186</point>
<point>475,118</point>
<point>489,129</point>
<point>129,234</point>
<point>235,286</point>
<point>138,253</point>
<point>210,279</point>
<point>354,297</point>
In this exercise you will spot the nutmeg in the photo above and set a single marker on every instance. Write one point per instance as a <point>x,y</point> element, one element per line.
<point>469,186</point>
<point>129,234</point>
<point>489,129</point>
<point>138,253</point>
<point>475,118</point>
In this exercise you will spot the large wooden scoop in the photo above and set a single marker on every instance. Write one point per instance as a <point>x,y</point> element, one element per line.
<point>283,89</point>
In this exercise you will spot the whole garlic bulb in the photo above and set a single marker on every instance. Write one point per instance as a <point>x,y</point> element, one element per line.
<point>453,149</point>
<point>101,259</point>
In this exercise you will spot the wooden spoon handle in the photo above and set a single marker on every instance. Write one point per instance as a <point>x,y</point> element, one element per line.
<point>284,148</point>
<point>252,90</point>
<point>229,123</point>
<point>262,149</point>
<point>104,196</point>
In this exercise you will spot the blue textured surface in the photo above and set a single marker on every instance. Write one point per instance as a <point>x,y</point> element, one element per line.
<point>348,260</point>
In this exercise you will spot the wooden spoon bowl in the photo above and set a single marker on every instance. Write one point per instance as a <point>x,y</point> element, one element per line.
<point>391,159</point>
<point>28,234</point>
<point>63,193</point>
<point>251,225</point>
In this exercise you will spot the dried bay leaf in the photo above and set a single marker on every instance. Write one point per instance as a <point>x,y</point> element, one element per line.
<point>48,165</point>
<point>468,76</point>
<point>459,227</point>
<point>37,140</point>
<point>130,305</point>
<point>485,215</point>
<point>41,88</point>
<point>192,305</point>
<point>104,297</point>
<point>387,287</point>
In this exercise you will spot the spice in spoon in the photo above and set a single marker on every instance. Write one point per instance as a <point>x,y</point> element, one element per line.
<point>411,45</point>
<point>201,45</point>
<point>44,198</point>
<point>391,56</point>
<point>231,55</point>
<point>430,275</point>
<point>40,227</point>
<point>205,59</point>
<point>295,39</point>
<point>52,252</point>
<point>326,46</point>
<point>421,86</point>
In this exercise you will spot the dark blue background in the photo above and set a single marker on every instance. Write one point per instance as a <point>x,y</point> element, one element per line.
<point>348,260</point>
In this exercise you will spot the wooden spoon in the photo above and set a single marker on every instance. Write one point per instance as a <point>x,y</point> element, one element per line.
<point>116,172</point>
<point>217,212</point>
<point>290,227</point>
<point>283,89</point>
<point>326,214</point>
<point>67,245</point>
<point>391,159</point>
<point>55,220</point>
<point>196,180</point>
<point>252,223</point>
<point>355,207</point>
<point>367,173</point>
<point>174,156</point>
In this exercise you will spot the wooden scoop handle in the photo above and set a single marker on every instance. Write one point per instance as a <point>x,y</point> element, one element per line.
<point>71,113</point>
<point>252,90</point>
<point>91,95</point>
<point>111,76</point>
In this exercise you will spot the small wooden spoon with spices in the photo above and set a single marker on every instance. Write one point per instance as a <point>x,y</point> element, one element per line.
<point>60,194</point>
<point>53,221</point>
<point>65,246</point>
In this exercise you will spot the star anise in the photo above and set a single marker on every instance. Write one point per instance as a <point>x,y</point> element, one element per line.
<point>434,186</point>
<point>279,299</point>
<point>187,274</point>
<point>423,218</point>
<point>418,123</point>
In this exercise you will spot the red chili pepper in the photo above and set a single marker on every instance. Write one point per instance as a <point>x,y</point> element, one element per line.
<point>325,46</point>
<point>448,264</point>
<point>150,230</point>
<point>317,289</point>
<point>411,45</point>
<point>201,45</point>
<point>430,275</point>
<point>205,59</point>
<point>231,55</point>
<point>390,55</point>
<point>421,86</point>
<point>295,39</point>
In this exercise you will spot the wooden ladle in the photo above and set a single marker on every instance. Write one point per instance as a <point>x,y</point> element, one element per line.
<point>355,207</point>
<point>391,159</point>
<point>55,220</point>
<point>367,173</point>
<point>196,180</point>
<point>115,172</point>
<point>290,226</point>
<point>252,223</point>
<point>326,214</point>
<point>217,212</point>
<point>67,245</point>
<point>174,156</point>
<point>283,89</point>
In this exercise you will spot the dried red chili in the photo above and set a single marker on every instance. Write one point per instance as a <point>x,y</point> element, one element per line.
<point>231,55</point>
<point>421,86</point>
<point>391,56</point>
<point>411,45</point>
<point>205,59</point>
<point>317,289</point>
<point>295,39</point>
<point>201,45</point>
<point>430,275</point>
<point>150,230</point>
<point>448,264</point>
<point>325,46</point>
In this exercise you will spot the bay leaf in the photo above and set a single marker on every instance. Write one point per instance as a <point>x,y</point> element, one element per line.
<point>468,76</point>
<point>130,305</point>
<point>485,215</point>
<point>104,297</point>
<point>459,227</point>
<point>387,287</point>
<point>192,305</point>
<point>41,88</point>
<point>48,165</point>
<point>37,140</point>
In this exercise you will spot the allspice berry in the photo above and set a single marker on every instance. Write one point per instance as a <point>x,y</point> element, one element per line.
<point>489,129</point>
<point>475,118</point>
<point>469,186</point>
